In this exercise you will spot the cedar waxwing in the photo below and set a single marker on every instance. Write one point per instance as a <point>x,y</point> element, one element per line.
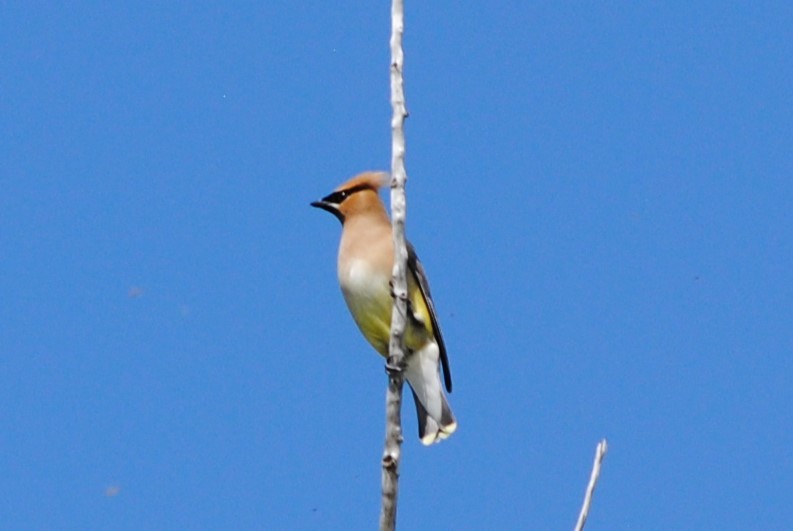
<point>365,263</point>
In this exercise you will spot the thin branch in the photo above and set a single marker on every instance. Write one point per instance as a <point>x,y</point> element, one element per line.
<point>396,359</point>
<point>600,453</point>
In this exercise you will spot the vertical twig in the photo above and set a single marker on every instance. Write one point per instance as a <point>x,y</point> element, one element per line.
<point>396,358</point>
<point>600,453</point>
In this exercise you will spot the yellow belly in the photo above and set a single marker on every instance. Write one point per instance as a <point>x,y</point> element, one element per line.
<point>368,297</point>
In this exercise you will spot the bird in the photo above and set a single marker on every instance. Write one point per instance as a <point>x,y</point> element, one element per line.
<point>365,264</point>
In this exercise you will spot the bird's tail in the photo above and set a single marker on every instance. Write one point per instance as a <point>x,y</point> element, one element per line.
<point>435,418</point>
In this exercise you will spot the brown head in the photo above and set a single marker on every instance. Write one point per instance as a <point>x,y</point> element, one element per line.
<point>359,195</point>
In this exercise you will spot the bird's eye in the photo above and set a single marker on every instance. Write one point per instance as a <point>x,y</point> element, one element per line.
<point>337,197</point>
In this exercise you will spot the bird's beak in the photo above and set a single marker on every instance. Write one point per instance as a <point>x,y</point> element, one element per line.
<point>323,205</point>
<point>330,207</point>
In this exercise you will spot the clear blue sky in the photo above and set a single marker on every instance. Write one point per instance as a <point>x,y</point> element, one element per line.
<point>602,197</point>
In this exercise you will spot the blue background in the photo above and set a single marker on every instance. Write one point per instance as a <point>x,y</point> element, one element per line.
<point>602,196</point>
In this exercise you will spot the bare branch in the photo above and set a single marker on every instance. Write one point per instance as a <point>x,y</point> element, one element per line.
<point>600,453</point>
<point>396,359</point>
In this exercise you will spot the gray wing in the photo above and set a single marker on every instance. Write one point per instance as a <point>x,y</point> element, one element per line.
<point>415,267</point>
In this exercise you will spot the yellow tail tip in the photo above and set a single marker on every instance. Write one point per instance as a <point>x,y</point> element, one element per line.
<point>443,433</point>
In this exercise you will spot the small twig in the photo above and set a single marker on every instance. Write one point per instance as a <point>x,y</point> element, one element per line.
<point>391,454</point>
<point>600,453</point>
<point>396,359</point>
